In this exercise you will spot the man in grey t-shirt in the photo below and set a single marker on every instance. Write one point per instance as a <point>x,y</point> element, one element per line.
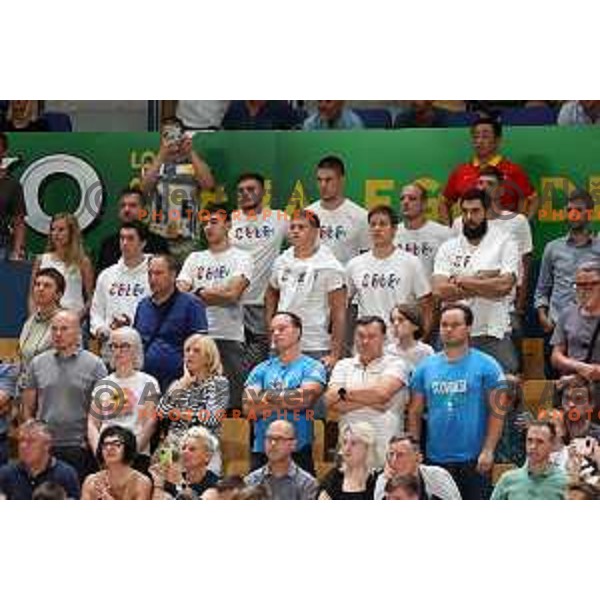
<point>58,390</point>
<point>576,337</point>
<point>284,478</point>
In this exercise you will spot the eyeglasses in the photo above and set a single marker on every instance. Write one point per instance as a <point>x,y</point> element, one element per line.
<point>394,455</point>
<point>123,346</point>
<point>112,444</point>
<point>276,438</point>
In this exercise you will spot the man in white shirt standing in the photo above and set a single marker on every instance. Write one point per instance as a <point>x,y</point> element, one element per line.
<point>260,231</point>
<point>481,267</point>
<point>219,276</point>
<point>309,281</point>
<point>417,234</point>
<point>121,287</point>
<point>386,275</point>
<point>368,386</point>
<point>344,225</point>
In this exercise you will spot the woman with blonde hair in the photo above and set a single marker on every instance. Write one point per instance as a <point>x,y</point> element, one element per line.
<point>355,478</point>
<point>199,397</point>
<point>65,253</point>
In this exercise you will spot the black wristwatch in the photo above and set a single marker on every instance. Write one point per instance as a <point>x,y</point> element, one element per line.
<point>342,393</point>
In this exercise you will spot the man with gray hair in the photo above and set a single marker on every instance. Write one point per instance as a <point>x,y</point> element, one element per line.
<point>58,390</point>
<point>284,478</point>
<point>36,466</point>
<point>575,341</point>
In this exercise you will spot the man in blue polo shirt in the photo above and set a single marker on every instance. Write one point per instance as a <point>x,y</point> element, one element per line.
<point>285,386</point>
<point>36,466</point>
<point>165,320</point>
<point>465,395</point>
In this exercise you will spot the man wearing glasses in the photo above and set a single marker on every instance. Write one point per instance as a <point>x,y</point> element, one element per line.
<point>555,291</point>
<point>284,478</point>
<point>260,232</point>
<point>575,341</point>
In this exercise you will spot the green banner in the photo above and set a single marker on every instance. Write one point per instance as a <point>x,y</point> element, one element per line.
<point>55,168</point>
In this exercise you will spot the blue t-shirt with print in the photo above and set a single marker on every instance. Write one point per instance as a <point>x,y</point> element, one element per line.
<point>456,396</point>
<point>276,375</point>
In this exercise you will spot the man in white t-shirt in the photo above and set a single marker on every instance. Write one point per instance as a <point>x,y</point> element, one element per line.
<point>368,386</point>
<point>309,281</point>
<point>219,276</point>
<point>121,287</point>
<point>260,231</point>
<point>344,225</point>
<point>517,226</point>
<point>481,267</point>
<point>417,234</point>
<point>386,275</point>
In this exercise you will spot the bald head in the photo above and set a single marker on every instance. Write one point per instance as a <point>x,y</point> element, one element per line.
<point>281,427</point>
<point>66,331</point>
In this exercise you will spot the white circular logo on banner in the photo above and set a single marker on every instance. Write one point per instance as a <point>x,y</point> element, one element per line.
<point>90,188</point>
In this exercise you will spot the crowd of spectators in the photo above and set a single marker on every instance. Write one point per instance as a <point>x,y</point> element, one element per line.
<point>402,330</point>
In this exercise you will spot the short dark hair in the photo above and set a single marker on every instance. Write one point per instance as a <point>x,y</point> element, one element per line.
<point>384,209</point>
<point>580,194</point>
<point>230,484</point>
<point>549,425</point>
<point>397,439</point>
<point>495,123</point>
<point>335,163</point>
<point>475,194</point>
<point>171,261</point>
<point>49,490</point>
<point>466,311</point>
<point>56,276</point>
<point>141,229</point>
<point>132,191</point>
<point>491,171</point>
<point>126,436</point>
<point>216,209</point>
<point>369,320</point>
<point>409,483</point>
<point>307,215</point>
<point>250,175</point>
<point>294,318</point>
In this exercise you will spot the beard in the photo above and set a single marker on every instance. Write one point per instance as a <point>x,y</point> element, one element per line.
<point>475,232</point>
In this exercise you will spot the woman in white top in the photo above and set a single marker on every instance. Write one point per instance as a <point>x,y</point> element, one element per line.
<point>65,253</point>
<point>127,397</point>
<point>407,328</point>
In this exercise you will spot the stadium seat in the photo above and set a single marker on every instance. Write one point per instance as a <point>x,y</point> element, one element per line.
<point>235,446</point>
<point>461,119</point>
<point>375,118</point>
<point>537,394</point>
<point>321,467</point>
<point>57,121</point>
<point>532,115</point>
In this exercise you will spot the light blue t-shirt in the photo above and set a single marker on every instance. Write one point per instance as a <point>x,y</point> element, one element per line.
<point>276,375</point>
<point>348,119</point>
<point>456,396</point>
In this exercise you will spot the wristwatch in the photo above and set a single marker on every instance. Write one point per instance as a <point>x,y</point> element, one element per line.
<point>342,393</point>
